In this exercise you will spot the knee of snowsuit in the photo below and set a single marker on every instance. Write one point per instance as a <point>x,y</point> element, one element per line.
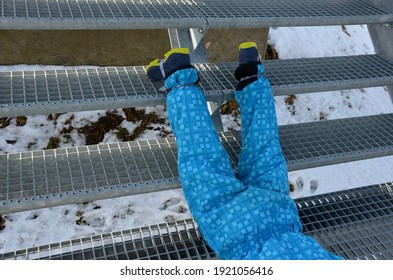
<point>248,215</point>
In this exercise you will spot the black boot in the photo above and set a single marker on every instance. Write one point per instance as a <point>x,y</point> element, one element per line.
<point>249,59</point>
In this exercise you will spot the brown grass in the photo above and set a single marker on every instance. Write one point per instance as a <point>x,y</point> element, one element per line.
<point>21,121</point>
<point>81,219</point>
<point>2,223</point>
<point>95,132</point>
<point>53,143</point>
<point>4,122</point>
<point>271,53</point>
<point>229,107</point>
<point>291,187</point>
<point>134,115</point>
<point>290,100</point>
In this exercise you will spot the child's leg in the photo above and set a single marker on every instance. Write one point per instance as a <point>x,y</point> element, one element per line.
<point>208,181</point>
<point>235,219</point>
<point>262,167</point>
<point>261,162</point>
<point>204,167</point>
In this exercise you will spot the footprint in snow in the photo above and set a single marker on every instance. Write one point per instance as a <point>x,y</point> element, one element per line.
<point>300,183</point>
<point>174,205</point>
<point>170,202</point>
<point>314,185</point>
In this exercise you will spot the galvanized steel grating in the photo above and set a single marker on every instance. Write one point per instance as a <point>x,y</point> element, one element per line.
<point>355,223</point>
<point>317,144</point>
<point>108,9</point>
<point>271,12</point>
<point>93,14</point>
<point>82,88</point>
<point>73,175</point>
<point>56,91</point>
<point>140,14</point>
<point>293,76</point>
<point>174,240</point>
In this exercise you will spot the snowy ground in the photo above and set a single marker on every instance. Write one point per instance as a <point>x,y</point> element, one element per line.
<point>45,226</point>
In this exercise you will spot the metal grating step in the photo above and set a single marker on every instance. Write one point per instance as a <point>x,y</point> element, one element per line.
<point>355,223</point>
<point>255,13</point>
<point>93,14</point>
<point>155,14</point>
<point>58,91</point>
<point>307,75</point>
<point>316,144</point>
<point>40,179</point>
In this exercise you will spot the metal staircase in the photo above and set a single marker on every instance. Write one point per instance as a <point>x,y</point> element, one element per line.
<point>355,223</point>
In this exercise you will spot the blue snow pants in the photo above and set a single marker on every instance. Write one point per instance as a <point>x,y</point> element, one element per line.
<point>248,215</point>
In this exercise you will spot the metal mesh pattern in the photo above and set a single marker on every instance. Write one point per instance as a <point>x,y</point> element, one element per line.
<point>90,13</point>
<point>135,14</point>
<point>107,9</point>
<point>83,88</point>
<point>171,241</point>
<point>70,175</point>
<point>53,91</point>
<point>286,12</point>
<point>308,145</point>
<point>292,76</point>
<point>316,144</point>
<point>355,223</point>
<point>353,71</point>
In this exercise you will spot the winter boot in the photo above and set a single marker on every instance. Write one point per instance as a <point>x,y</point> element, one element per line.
<point>248,52</point>
<point>249,59</point>
<point>175,59</point>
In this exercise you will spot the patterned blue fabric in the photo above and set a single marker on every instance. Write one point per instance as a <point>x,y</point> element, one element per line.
<point>245,216</point>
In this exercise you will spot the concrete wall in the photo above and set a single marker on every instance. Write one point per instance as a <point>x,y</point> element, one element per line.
<point>111,47</point>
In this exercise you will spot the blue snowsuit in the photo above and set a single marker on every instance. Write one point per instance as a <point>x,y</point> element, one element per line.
<point>249,215</point>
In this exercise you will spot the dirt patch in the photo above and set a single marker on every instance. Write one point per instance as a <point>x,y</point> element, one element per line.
<point>271,53</point>
<point>2,223</point>
<point>290,100</point>
<point>81,219</point>
<point>21,121</point>
<point>4,122</point>
<point>323,116</point>
<point>54,117</point>
<point>291,187</point>
<point>135,115</point>
<point>229,107</point>
<point>95,132</point>
<point>53,143</point>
